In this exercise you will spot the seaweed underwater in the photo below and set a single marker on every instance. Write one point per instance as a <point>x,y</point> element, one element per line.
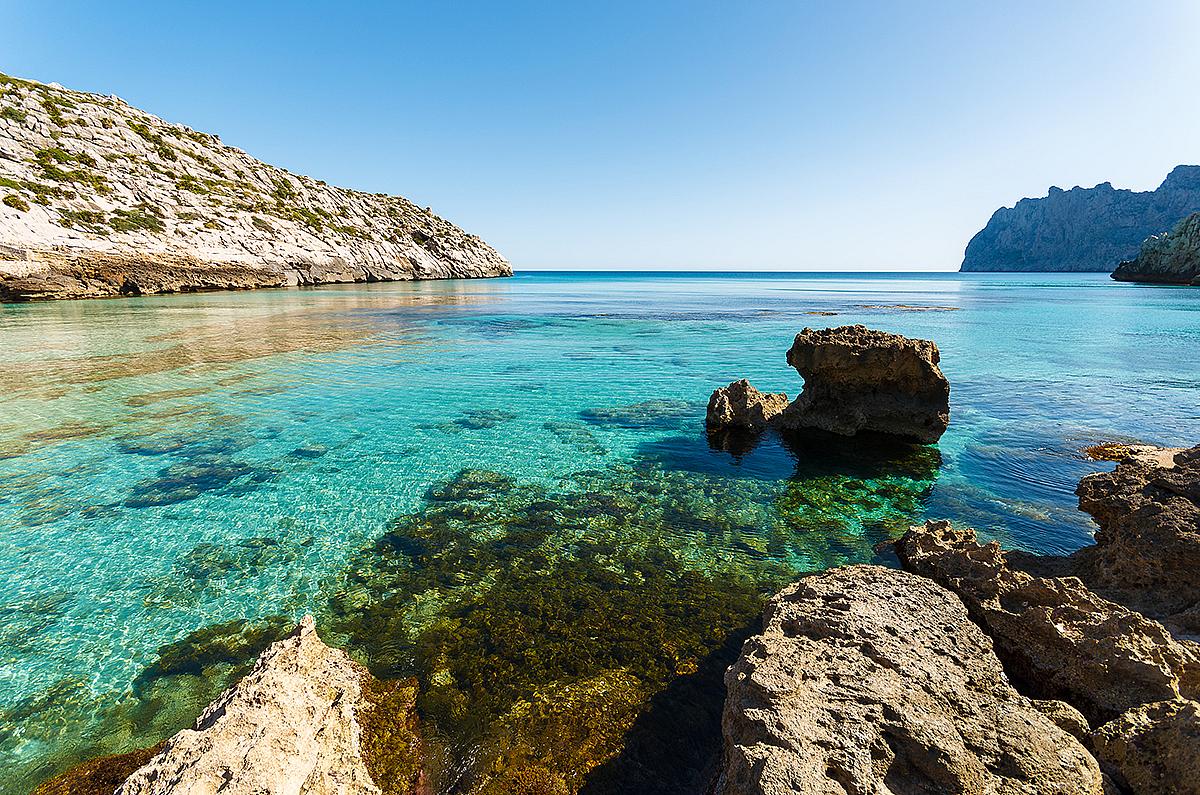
<point>573,638</point>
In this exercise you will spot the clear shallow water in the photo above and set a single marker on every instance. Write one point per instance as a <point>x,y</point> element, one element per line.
<point>170,464</point>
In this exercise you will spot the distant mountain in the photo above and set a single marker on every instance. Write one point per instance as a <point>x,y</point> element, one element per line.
<point>1082,229</point>
<point>1171,258</point>
<point>98,198</point>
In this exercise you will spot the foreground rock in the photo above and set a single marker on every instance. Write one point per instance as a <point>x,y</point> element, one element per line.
<point>870,680</point>
<point>740,406</point>
<point>98,198</point>
<point>1147,551</point>
<point>305,721</point>
<point>289,726</point>
<point>858,379</point>
<point>1170,258</point>
<point>1057,638</point>
<point>1154,749</point>
<point>1082,229</point>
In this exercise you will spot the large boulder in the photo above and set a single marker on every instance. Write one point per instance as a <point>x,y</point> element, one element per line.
<point>1057,638</point>
<point>858,379</point>
<point>740,406</point>
<point>302,721</point>
<point>1153,749</point>
<point>1147,551</point>
<point>872,680</point>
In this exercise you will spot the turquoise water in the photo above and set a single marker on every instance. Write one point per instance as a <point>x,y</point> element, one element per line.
<point>168,464</point>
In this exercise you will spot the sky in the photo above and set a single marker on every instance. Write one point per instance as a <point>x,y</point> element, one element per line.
<point>663,135</point>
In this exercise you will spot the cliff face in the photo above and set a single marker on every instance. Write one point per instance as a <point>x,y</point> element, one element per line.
<point>1172,258</point>
<point>1082,229</point>
<point>98,198</point>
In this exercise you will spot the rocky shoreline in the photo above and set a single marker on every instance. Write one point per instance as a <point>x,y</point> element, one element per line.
<point>962,667</point>
<point>100,199</point>
<point>1169,258</point>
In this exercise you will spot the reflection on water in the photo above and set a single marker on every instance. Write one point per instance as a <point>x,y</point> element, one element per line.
<point>503,487</point>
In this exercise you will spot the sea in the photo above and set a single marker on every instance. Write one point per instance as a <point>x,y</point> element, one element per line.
<point>502,491</point>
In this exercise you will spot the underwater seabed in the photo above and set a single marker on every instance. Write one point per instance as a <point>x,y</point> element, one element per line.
<point>565,638</point>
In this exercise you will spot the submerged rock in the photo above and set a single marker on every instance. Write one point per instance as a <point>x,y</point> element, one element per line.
<point>1057,638</point>
<point>300,722</point>
<point>1170,258</point>
<point>858,379</point>
<point>1147,551</point>
<point>1153,749</point>
<point>741,406</point>
<point>870,680</point>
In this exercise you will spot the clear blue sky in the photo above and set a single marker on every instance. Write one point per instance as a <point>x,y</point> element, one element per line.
<point>790,135</point>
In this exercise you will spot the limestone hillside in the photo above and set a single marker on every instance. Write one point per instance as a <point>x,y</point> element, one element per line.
<point>98,198</point>
<point>1082,229</point>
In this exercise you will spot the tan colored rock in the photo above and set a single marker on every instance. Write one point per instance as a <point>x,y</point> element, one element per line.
<point>871,680</point>
<point>1147,551</point>
<point>291,726</point>
<point>1153,749</point>
<point>1057,638</point>
<point>857,379</point>
<point>741,406</point>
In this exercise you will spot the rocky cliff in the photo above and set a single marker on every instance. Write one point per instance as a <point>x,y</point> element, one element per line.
<point>1082,229</point>
<point>1172,258</point>
<point>98,198</point>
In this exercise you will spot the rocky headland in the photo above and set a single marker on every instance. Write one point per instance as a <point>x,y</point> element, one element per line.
<point>1170,258</point>
<point>856,380</point>
<point>1082,229</point>
<point>98,198</point>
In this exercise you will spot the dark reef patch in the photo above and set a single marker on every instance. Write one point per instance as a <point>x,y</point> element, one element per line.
<point>197,475</point>
<point>558,632</point>
<point>660,413</point>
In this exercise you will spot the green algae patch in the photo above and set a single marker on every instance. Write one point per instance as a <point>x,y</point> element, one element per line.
<point>98,776</point>
<point>559,632</point>
<point>391,735</point>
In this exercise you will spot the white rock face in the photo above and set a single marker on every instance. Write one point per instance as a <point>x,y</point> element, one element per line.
<point>288,727</point>
<point>88,174</point>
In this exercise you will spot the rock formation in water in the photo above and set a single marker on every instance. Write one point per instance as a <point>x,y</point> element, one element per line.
<point>98,198</point>
<point>741,406</point>
<point>869,680</point>
<point>1057,638</point>
<point>307,720</point>
<point>1170,258</point>
<point>1082,229</point>
<point>1147,550</point>
<point>858,379</point>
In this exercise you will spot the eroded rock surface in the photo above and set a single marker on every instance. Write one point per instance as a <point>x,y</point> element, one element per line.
<point>871,680</point>
<point>741,406</point>
<point>1147,551</point>
<point>858,379</point>
<point>1057,638</point>
<point>293,725</point>
<point>1170,258</point>
<point>98,198</point>
<point>1153,749</point>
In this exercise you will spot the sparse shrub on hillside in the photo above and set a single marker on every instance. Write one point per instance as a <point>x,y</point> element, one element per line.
<point>16,202</point>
